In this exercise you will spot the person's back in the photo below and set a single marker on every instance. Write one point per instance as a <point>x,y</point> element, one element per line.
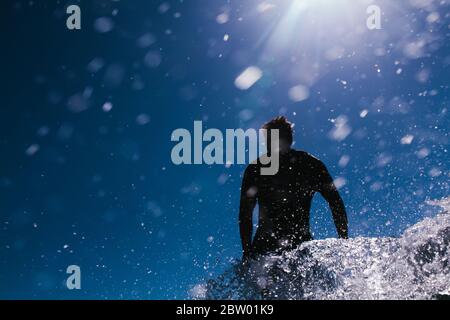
<point>284,200</point>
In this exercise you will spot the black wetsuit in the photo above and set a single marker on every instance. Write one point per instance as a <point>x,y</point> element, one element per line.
<point>284,201</point>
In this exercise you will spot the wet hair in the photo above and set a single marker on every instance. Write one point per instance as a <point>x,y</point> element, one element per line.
<point>284,127</point>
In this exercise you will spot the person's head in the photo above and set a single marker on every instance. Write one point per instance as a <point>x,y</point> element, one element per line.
<point>285,131</point>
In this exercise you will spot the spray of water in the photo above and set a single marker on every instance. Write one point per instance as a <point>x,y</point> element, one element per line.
<point>414,266</point>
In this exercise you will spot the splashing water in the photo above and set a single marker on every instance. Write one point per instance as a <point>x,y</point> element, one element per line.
<point>414,266</point>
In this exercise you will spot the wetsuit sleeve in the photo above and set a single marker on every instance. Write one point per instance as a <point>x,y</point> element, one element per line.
<point>247,204</point>
<point>328,190</point>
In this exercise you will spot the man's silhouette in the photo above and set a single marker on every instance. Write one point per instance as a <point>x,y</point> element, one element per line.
<point>284,199</point>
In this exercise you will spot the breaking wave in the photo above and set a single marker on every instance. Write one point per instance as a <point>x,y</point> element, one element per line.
<point>414,266</point>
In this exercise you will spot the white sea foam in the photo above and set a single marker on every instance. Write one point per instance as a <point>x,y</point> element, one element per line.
<point>414,266</point>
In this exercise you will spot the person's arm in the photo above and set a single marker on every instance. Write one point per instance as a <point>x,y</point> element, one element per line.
<point>247,204</point>
<point>331,195</point>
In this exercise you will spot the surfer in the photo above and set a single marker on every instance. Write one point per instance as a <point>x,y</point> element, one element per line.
<point>284,199</point>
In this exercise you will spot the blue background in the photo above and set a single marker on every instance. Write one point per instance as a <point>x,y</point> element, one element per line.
<point>82,186</point>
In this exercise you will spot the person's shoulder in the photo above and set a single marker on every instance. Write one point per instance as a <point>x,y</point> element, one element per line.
<point>305,155</point>
<point>308,158</point>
